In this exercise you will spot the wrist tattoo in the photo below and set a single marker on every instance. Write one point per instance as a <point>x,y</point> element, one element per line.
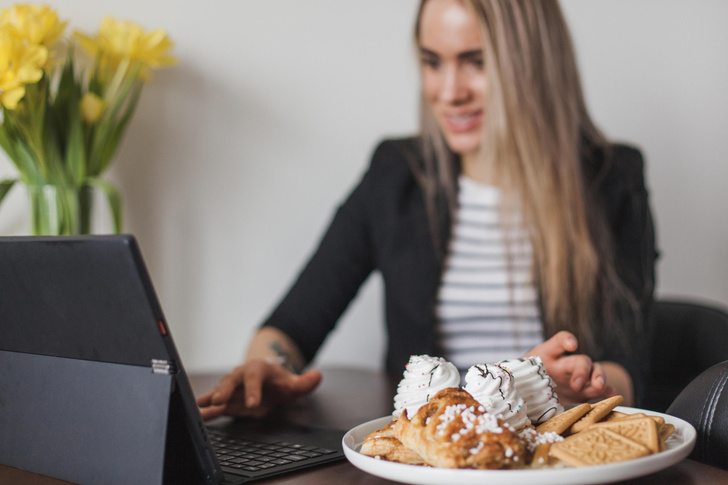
<point>283,358</point>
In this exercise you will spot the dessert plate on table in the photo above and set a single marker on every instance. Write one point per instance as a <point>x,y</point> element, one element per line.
<point>678,446</point>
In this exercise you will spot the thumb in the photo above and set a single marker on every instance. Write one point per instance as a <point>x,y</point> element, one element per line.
<point>557,345</point>
<point>307,382</point>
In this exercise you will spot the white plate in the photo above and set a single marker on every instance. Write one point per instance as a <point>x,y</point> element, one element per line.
<point>679,446</point>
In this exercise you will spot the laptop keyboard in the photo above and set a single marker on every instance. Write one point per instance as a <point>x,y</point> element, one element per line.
<point>256,456</point>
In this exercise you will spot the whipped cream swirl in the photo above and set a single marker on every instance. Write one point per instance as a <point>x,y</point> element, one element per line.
<point>423,377</point>
<point>494,388</point>
<point>535,387</point>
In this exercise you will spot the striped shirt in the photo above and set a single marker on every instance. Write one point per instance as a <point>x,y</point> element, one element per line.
<point>487,304</point>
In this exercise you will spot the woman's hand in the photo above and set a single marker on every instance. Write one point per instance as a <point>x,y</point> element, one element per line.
<point>254,388</point>
<point>578,379</point>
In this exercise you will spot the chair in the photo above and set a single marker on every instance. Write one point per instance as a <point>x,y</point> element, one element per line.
<point>688,338</point>
<point>704,404</point>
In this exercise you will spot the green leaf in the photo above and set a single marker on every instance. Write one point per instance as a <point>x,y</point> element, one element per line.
<point>29,170</point>
<point>76,152</point>
<point>66,84</point>
<point>117,133</point>
<point>96,83</point>
<point>6,141</point>
<point>66,99</point>
<point>104,144</point>
<point>5,187</point>
<point>56,170</point>
<point>114,199</point>
<point>75,148</point>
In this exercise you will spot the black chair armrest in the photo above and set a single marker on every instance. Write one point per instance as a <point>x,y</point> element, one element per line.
<point>704,404</point>
<point>688,337</point>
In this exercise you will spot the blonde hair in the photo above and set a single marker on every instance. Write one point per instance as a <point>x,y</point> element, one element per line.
<point>536,128</point>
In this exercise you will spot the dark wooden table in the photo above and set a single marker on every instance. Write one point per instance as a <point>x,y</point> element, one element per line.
<point>348,397</point>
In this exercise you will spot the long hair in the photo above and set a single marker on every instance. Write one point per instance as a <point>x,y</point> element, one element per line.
<point>536,131</point>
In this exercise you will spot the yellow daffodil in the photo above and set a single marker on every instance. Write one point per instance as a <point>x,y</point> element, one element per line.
<point>38,25</point>
<point>20,64</point>
<point>92,107</point>
<point>61,125</point>
<point>121,41</point>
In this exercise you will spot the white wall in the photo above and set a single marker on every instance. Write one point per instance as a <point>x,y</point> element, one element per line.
<point>237,157</point>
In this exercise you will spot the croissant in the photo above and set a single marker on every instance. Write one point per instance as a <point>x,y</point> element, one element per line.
<point>383,444</point>
<point>454,431</point>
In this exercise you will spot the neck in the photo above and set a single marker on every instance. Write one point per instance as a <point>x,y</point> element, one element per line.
<point>475,168</point>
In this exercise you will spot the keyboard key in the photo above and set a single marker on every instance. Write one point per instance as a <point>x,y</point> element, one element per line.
<point>249,456</point>
<point>295,457</point>
<point>280,461</point>
<point>323,451</point>
<point>309,454</point>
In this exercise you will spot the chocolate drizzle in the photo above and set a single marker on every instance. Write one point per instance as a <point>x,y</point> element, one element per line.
<point>432,374</point>
<point>544,375</point>
<point>541,418</point>
<point>485,371</point>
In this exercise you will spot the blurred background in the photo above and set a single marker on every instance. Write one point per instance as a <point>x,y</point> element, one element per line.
<point>237,157</point>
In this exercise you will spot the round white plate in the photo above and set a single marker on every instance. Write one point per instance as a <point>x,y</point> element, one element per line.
<point>679,446</point>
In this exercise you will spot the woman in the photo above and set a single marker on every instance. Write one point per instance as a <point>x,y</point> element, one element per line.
<point>565,256</point>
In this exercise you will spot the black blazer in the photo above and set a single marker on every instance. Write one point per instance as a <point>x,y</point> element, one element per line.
<point>383,226</point>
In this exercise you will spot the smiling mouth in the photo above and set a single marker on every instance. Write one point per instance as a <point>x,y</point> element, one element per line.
<point>463,122</point>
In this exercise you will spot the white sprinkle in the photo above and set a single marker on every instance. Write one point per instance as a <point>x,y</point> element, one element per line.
<point>479,447</point>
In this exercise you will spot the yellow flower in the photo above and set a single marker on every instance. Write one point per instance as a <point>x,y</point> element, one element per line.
<point>37,24</point>
<point>92,107</point>
<point>20,64</point>
<point>119,41</point>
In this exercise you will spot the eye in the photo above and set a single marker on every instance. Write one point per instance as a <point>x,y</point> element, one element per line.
<point>431,62</point>
<point>475,61</point>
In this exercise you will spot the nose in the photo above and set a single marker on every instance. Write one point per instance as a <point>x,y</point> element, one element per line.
<point>453,87</point>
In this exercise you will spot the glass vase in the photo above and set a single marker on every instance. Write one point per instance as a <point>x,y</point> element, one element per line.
<point>58,210</point>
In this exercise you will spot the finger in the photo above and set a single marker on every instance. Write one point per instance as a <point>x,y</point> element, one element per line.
<point>227,386</point>
<point>590,393</point>
<point>253,378</point>
<point>205,400</point>
<point>212,412</point>
<point>566,340</point>
<point>554,347</point>
<point>306,382</point>
<point>581,368</point>
<point>598,376</point>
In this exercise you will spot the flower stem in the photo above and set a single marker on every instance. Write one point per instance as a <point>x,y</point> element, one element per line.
<point>117,80</point>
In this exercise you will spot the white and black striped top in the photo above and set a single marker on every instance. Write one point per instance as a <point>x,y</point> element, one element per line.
<point>487,304</point>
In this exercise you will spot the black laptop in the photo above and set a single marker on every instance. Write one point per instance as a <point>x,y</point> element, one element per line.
<point>92,389</point>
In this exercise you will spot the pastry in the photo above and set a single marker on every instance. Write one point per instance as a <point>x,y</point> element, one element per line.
<point>454,431</point>
<point>384,445</point>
